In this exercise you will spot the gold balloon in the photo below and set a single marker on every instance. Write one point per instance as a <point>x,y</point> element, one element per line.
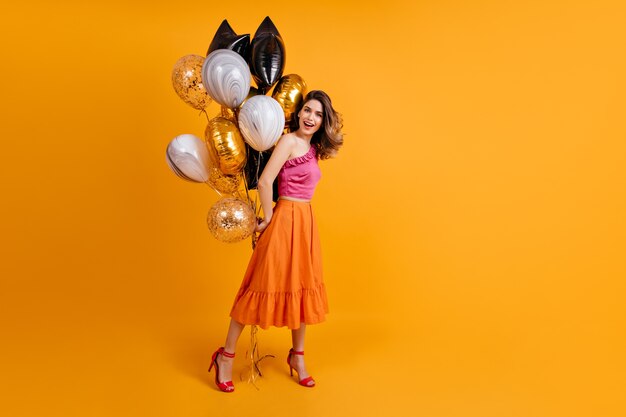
<point>289,92</point>
<point>187,81</point>
<point>231,220</point>
<point>227,184</point>
<point>227,113</point>
<point>227,149</point>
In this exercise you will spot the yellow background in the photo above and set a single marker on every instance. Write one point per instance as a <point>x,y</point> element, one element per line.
<point>473,225</point>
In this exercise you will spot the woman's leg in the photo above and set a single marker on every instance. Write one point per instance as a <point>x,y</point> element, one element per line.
<point>297,361</point>
<point>226,364</point>
<point>297,337</point>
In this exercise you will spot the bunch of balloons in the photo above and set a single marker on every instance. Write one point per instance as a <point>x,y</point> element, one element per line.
<point>238,141</point>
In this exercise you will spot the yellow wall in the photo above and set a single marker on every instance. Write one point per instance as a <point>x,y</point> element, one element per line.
<point>473,225</point>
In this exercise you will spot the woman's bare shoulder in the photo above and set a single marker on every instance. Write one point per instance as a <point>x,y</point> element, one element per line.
<point>287,140</point>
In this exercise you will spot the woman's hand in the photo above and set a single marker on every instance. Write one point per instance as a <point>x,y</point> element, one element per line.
<point>262,224</point>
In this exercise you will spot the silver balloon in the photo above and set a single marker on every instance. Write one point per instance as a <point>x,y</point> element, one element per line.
<point>188,156</point>
<point>226,76</point>
<point>261,121</point>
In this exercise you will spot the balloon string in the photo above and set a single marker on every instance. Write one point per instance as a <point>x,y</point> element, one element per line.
<point>252,206</point>
<point>258,164</point>
<point>206,115</point>
<point>254,371</point>
<point>214,189</point>
<point>245,184</point>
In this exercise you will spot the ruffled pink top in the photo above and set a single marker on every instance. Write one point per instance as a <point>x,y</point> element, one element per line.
<point>299,176</point>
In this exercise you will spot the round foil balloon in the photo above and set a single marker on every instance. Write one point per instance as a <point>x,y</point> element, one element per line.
<point>226,146</point>
<point>231,220</point>
<point>227,113</point>
<point>261,120</point>
<point>188,157</point>
<point>187,81</point>
<point>226,77</point>
<point>227,184</point>
<point>289,93</point>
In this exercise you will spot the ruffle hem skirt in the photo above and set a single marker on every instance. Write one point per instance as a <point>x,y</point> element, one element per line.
<point>283,284</point>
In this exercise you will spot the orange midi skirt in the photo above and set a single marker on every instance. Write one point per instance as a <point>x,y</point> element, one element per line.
<point>283,284</point>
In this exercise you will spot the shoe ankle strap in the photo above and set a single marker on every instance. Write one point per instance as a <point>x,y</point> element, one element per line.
<point>226,354</point>
<point>295,352</point>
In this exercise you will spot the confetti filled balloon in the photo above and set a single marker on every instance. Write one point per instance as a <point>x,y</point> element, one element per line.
<point>231,220</point>
<point>226,77</point>
<point>289,93</point>
<point>187,81</point>
<point>261,120</point>
<point>188,157</point>
<point>227,184</point>
<point>226,146</point>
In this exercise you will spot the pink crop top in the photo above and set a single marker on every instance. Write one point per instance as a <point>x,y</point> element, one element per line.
<point>299,176</point>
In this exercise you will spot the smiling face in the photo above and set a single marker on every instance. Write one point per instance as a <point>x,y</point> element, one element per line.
<point>311,117</point>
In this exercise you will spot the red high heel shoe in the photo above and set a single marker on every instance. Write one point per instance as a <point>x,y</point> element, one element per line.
<point>226,386</point>
<point>308,382</point>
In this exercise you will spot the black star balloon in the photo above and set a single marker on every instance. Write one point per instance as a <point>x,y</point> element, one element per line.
<point>267,60</point>
<point>226,38</point>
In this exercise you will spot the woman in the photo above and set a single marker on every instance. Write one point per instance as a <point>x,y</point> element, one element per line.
<point>283,284</point>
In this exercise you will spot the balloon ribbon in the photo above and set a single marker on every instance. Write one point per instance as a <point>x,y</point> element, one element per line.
<point>253,370</point>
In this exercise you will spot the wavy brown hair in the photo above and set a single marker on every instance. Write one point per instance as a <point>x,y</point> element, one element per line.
<point>329,138</point>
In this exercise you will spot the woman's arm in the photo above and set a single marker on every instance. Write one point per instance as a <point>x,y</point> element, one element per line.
<point>281,153</point>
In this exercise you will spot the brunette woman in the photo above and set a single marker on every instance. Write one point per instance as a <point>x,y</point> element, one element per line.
<point>283,284</point>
